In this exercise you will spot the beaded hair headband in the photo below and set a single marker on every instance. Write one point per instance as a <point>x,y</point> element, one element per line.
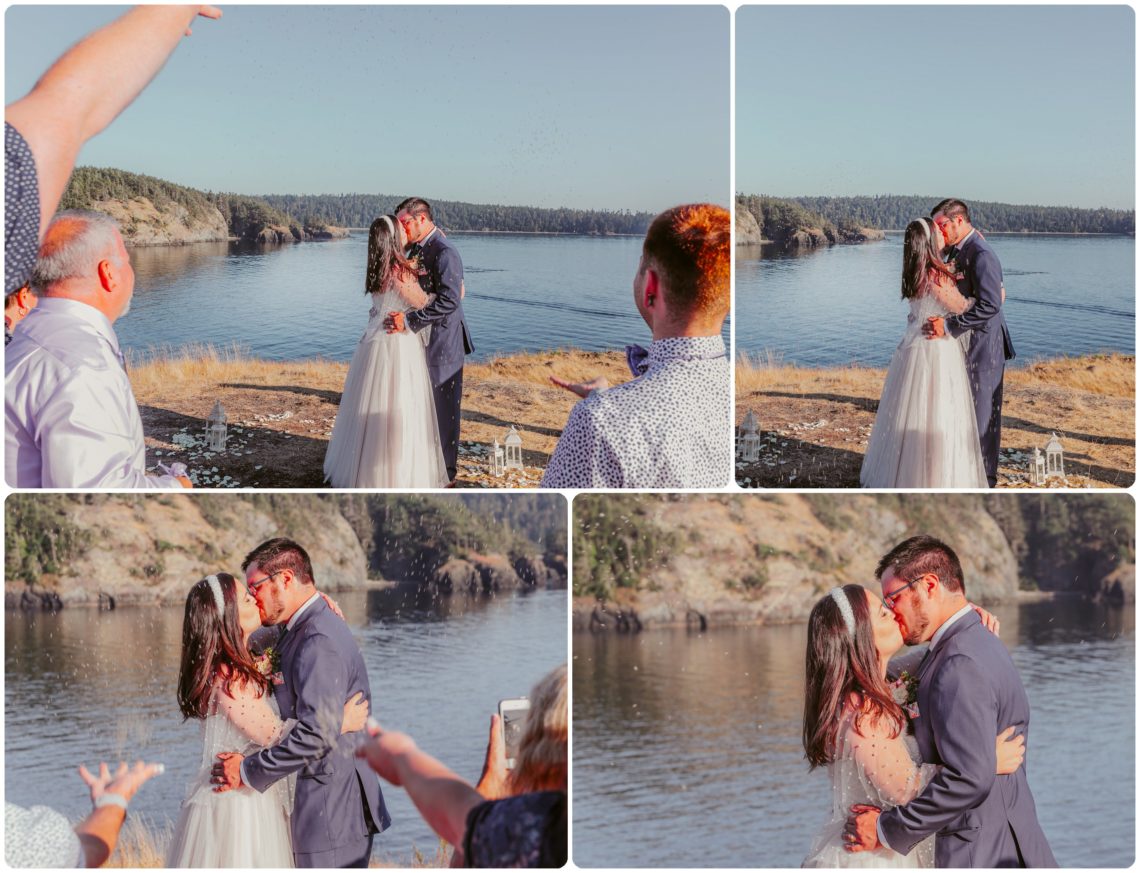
<point>391,225</point>
<point>844,603</point>
<point>216,588</point>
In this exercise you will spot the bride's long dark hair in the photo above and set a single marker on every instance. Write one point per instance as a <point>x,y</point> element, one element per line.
<point>385,255</point>
<point>839,667</point>
<point>922,260</point>
<point>213,645</point>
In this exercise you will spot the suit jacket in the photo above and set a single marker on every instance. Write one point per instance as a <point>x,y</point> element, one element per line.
<point>442,275</point>
<point>321,667</point>
<point>981,279</point>
<point>968,692</point>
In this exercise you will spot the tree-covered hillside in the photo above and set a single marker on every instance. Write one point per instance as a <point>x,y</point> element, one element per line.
<point>360,210</point>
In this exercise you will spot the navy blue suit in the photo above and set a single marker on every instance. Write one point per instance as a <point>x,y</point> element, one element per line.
<point>338,805</point>
<point>990,345</point>
<point>968,692</point>
<point>441,274</point>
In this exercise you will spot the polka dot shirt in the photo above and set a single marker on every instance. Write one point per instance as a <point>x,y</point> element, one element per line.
<point>668,428</point>
<point>21,211</point>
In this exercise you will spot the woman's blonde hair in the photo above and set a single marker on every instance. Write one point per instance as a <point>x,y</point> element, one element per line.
<point>541,761</point>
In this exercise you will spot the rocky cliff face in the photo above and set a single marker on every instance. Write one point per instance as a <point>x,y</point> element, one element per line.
<point>486,573</point>
<point>144,224</point>
<point>769,558</point>
<point>748,230</point>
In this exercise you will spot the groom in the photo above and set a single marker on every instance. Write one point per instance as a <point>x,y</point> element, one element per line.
<point>338,807</point>
<point>441,274</point>
<point>968,690</point>
<point>979,277</point>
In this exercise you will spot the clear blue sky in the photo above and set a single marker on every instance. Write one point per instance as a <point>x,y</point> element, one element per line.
<point>1019,104</point>
<point>590,107</point>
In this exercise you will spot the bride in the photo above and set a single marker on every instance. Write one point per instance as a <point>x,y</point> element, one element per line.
<point>925,433</point>
<point>854,726</point>
<point>386,434</point>
<point>221,684</point>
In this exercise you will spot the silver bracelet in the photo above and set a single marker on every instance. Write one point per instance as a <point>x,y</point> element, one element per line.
<point>111,800</point>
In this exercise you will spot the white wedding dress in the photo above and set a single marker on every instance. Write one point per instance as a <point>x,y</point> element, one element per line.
<point>242,827</point>
<point>882,771</point>
<point>925,433</point>
<point>386,434</point>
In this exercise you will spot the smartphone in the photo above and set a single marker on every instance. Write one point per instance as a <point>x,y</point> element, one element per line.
<point>512,716</point>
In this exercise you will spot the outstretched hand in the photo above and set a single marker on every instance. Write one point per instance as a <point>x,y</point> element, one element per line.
<point>582,389</point>
<point>861,833</point>
<point>383,751</point>
<point>226,773</point>
<point>125,782</point>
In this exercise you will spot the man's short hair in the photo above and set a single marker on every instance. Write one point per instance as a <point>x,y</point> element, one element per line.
<point>74,244</point>
<point>923,554</point>
<point>951,208</point>
<point>416,206</point>
<point>690,246</point>
<point>281,553</point>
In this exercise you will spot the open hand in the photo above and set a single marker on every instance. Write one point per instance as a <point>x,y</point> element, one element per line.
<point>861,833</point>
<point>935,327</point>
<point>125,782</point>
<point>226,773</point>
<point>582,389</point>
<point>383,751</point>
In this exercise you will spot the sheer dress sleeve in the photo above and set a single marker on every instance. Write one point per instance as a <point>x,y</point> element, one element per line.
<point>252,715</point>
<point>410,292</point>
<point>948,295</point>
<point>886,763</point>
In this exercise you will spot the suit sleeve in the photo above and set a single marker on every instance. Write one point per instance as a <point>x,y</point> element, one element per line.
<point>450,270</point>
<point>963,704</point>
<point>320,710</point>
<point>987,282</point>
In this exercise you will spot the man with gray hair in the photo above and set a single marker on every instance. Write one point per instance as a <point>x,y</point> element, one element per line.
<point>71,420</point>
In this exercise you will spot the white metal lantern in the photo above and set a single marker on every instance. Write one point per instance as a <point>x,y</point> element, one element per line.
<point>749,444</point>
<point>497,467</point>
<point>216,428</point>
<point>1054,458</point>
<point>1038,467</point>
<point>513,444</point>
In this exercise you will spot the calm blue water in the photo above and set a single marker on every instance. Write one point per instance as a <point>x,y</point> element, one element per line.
<point>524,293</point>
<point>438,667</point>
<point>1064,296</point>
<point>687,749</point>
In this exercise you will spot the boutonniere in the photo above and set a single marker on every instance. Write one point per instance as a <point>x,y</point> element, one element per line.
<point>268,663</point>
<point>277,678</point>
<point>904,691</point>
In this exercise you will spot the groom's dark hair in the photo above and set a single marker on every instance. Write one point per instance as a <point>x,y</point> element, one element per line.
<point>951,208</point>
<point>416,206</point>
<point>281,553</point>
<point>920,555</point>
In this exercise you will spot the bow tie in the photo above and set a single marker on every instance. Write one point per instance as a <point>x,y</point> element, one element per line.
<point>952,253</point>
<point>414,249</point>
<point>638,359</point>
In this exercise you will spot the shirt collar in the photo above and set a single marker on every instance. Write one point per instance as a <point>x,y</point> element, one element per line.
<point>296,615</point>
<point>686,348</point>
<point>430,234</point>
<point>83,312</point>
<point>941,632</point>
<point>961,242</point>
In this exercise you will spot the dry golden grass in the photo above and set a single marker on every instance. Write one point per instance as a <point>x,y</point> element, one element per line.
<point>144,846</point>
<point>286,409</point>
<point>817,420</point>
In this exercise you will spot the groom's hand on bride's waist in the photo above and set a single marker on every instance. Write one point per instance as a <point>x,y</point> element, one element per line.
<point>394,322</point>
<point>226,773</point>
<point>862,831</point>
<point>935,327</point>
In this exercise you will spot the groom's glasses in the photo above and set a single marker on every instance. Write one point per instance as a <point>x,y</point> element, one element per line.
<point>252,587</point>
<point>890,599</point>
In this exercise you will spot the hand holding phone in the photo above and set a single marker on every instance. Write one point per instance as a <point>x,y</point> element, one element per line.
<point>512,716</point>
